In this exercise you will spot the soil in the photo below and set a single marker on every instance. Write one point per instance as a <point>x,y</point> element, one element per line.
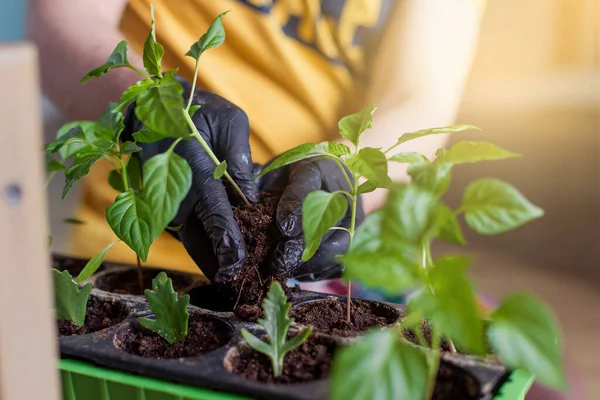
<point>330,315</point>
<point>454,384</point>
<point>73,265</point>
<point>100,314</point>
<point>426,329</point>
<point>127,282</point>
<point>257,225</point>
<point>308,362</point>
<point>204,334</point>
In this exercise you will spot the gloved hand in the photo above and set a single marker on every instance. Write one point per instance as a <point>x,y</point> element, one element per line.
<point>209,231</point>
<point>294,182</point>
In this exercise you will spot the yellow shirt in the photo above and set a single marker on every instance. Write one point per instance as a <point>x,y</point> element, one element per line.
<point>294,66</point>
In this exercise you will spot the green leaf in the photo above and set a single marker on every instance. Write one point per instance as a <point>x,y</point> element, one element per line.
<point>94,263</point>
<point>366,187</point>
<point>110,124</point>
<point>452,306</point>
<point>492,206</point>
<point>70,300</point>
<point>53,165</point>
<point>320,211</point>
<point>134,174</point>
<point>337,149</point>
<point>409,157</point>
<point>167,178</point>
<point>432,177</point>
<point>193,110</point>
<point>145,135</point>
<point>353,126</point>
<point>131,219</point>
<point>367,236</point>
<point>57,145</point>
<point>83,161</point>
<point>73,221</point>
<point>276,323</point>
<point>174,228</point>
<point>214,37</point>
<point>408,214</point>
<point>153,52</point>
<point>525,335</point>
<point>379,366</point>
<point>393,271</point>
<point>301,152</point>
<point>435,131</point>
<point>470,152</point>
<point>220,170</point>
<point>130,147</point>
<point>88,134</point>
<point>160,108</point>
<point>132,92</point>
<point>171,315</point>
<point>117,59</point>
<point>447,226</point>
<point>370,163</point>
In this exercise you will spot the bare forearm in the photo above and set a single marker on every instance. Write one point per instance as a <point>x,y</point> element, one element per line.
<point>74,37</point>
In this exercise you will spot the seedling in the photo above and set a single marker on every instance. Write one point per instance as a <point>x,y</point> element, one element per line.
<point>276,322</point>
<point>70,299</point>
<point>149,195</point>
<point>171,315</point>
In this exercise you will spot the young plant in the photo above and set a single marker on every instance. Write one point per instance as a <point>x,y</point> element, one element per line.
<point>171,315</point>
<point>150,194</point>
<point>276,323</point>
<point>70,299</point>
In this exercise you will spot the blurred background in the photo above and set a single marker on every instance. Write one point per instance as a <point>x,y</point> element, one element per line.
<point>534,89</point>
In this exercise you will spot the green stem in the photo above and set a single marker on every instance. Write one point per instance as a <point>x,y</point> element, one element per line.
<point>339,163</point>
<point>140,72</point>
<point>434,361</point>
<point>352,231</point>
<point>124,175</point>
<point>210,153</point>
<point>189,104</point>
<point>391,148</point>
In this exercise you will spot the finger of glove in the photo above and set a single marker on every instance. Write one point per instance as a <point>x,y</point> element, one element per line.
<point>305,177</point>
<point>198,245</point>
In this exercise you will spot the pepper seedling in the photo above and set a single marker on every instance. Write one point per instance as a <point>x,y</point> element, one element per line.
<point>70,299</point>
<point>150,194</point>
<point>277,323</point>
<point>171,315</point>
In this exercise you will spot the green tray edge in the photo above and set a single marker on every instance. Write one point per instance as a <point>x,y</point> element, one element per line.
<point>515,388</point>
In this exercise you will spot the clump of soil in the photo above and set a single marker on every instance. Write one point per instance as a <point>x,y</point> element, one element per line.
<point>454,384</point>
<point>204,334</point>
<point>127,282</point>
<point>100,314</point>
<point>308,362</point>
<point>330,315</point>
<point>256,222</point>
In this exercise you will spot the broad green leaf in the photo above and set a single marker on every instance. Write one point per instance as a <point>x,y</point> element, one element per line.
<point>153,52</point>
<point>451,305</point>
<point>380,366</point>
<point>214,37</point>
<point>320,211</point>
<point>432,177</point>
<point>167,178</point>
<point>447,227</point>
<point>130,147</point>
<point>392,271</point>
<point>366,187</point>
<point>83,161</point>
<point>409,157</point>
<point>367,236</point>
<point>94,263</point>
<point>145,135</point>
<point>73,132</point>
<point>337,149</point>
<point>132,92</point>
<point>434,131</point>
<point>220,170</point>
<point>134,174</point>
<point>171,315</point>
<point>525,335</point>
<point>408,214</point>
<point>117,59</point>
<point>492,206</point>
<point>160,108</point>
<point>276,323</point>
<point>131,219</point>
<point>470,152</point>
<point>70,300</point>
<point>64,132</point>
<point>353,126</point>
<point>371,164</point>
<point>193,110</point>
<point>301,152</point>
<point>52,164</point>
<point>110,124</point>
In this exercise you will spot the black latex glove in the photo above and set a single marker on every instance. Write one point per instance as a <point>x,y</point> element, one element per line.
<point>209,231</point>
<point>294,182</point>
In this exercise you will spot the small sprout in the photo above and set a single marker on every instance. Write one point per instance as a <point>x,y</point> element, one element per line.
<point>70,299</point>
<point>276,323</point>
<point>172,317</point>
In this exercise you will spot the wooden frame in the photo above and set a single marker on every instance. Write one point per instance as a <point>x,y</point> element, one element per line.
<point>28,350</point>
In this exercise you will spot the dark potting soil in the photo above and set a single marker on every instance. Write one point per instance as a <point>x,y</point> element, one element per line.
<point>452,384</point>
<point>257,225</point>
<point>127,282</point>
<point>73,265</point>
<point>100,314</point>
<point>426,330</point>
<point>204,334</point>
<point>330,315</point>
<point>308,362</point>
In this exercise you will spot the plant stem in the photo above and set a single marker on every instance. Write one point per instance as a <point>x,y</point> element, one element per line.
<point>352,230</point>
<point>140,275</point>
<point>124,174</point>
<point>210,153</point>
<point>140,72</point>
<point>434,361</point>
<point>189,104</point>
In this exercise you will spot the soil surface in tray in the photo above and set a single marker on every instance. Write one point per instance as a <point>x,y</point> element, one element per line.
<point>100,314</point>
<point>330,315</point>
<point>73,265</point>
<point>204,334</point>
<point>127,282</point>
<point>453,384</point>
<point>311,361</point>
<point>257,225</point>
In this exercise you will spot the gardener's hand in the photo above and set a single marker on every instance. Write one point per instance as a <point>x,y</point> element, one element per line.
<point>209,231</point>
<point>294,182</point>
